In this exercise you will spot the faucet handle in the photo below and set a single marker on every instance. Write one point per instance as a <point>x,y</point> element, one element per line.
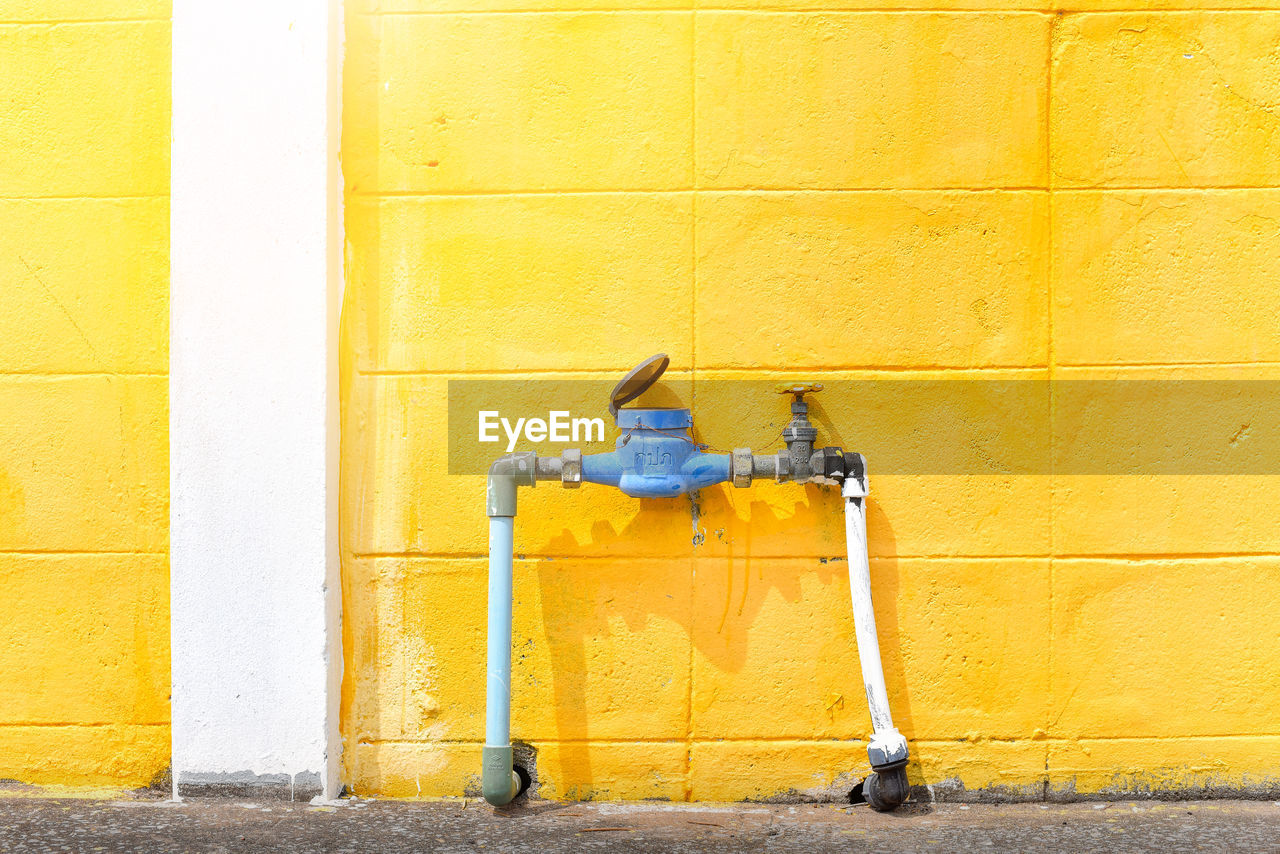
<point>799,389</point>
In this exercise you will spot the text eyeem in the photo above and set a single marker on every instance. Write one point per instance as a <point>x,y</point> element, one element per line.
<point>558,426</point>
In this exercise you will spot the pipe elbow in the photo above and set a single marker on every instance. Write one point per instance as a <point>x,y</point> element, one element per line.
<point>887,788</point>
<point>505,475</point>
<point>500,795</point>
<point>499,782</point>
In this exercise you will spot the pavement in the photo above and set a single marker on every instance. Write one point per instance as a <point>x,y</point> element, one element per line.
<point>359,825</point>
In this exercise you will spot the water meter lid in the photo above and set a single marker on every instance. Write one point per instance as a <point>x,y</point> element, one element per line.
<point>637,382</point>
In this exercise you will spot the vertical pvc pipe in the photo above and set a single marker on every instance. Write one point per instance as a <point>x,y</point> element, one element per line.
<point>888,745</point>
<point>497,722</point>
<point>499,782</point>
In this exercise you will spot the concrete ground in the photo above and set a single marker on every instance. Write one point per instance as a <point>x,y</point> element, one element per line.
<point>225,825</point>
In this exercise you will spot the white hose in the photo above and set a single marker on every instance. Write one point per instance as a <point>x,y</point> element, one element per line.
<point>887,745</point>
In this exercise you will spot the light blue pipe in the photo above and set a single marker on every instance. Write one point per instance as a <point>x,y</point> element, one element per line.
<point>655,458</point>
<point>498,781</point>
<point>497,721</point>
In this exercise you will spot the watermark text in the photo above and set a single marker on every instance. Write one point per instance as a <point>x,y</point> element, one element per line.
<point>558,426</point>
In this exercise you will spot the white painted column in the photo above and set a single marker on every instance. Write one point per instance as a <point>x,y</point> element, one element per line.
<point>256,271</point>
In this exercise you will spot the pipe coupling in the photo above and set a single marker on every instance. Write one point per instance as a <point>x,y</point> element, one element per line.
<point>783,468</point>
<point>571,468</point>
<point>887,747</point>
<point>742,467</point>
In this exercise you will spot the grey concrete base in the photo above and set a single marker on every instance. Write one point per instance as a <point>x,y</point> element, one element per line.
<point>245,784</point>
<point>392,827</point>
<point>953,791</point>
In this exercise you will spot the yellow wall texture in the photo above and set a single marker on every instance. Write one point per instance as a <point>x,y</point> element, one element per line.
<point>778,189</point>
<point>84,320</point>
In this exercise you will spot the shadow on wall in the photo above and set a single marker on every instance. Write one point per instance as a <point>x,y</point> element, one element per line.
<point>773,652</point>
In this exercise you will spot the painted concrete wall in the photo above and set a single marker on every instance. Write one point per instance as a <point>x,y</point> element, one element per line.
<point>1052,190</point>
<point>256,238</point>
<point>84,470</point>
<point>1037,192</point>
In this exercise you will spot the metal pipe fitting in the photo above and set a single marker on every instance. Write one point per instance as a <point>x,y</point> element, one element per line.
<point>547,468</point>
<point>775,467</point>
<point>783,468</point>
<point>886,787</point>
<point>571,468</point>
<point>799,434</point>
<point>742,467</point>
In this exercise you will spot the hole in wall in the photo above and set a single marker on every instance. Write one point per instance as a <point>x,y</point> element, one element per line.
<point>525,779</point>
<point>525,764</point>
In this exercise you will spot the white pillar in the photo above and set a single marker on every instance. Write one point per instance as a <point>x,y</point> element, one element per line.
<point>256,284</point>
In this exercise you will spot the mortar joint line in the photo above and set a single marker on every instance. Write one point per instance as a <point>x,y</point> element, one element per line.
<point>1051,360</point>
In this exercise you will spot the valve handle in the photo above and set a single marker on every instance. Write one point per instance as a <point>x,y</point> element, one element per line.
<point>799,389</point>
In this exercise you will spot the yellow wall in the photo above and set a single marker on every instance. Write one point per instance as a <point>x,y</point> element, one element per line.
<point>1059,192</point>
<point>84,320</point>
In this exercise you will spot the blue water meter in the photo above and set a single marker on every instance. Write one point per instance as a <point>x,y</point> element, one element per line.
<point>656,455</point>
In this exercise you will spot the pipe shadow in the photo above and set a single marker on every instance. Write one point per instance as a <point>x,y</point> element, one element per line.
<point>597,615</point>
